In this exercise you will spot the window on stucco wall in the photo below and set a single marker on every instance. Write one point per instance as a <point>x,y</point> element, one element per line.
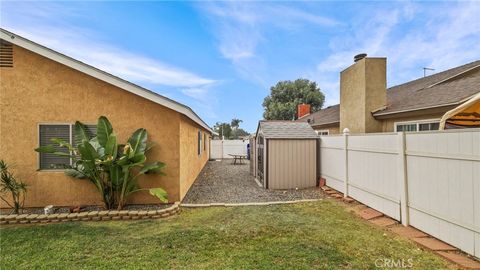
<point>59,131</point>
<point>205,142</point>
<point>199,146</point>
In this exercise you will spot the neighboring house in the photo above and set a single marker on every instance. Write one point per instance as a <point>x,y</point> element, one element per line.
<point>366,105</point>
<point>44,92</point>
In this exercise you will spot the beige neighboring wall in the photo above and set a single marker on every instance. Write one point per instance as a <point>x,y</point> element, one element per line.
<point>362,90</point>
<point>38,90</point>
<point>331,129</point>
<point>388,125</point>
<point>291,163</point>
<point>190,162</point>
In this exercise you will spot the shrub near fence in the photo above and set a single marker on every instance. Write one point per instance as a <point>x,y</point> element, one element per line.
<point>430,180</point>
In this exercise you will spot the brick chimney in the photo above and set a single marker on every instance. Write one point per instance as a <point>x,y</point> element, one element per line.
<point>363,89</point>
<point>302,110</point>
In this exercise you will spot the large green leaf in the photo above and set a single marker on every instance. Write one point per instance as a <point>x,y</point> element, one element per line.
<point>87,151</point>
<point>50,149</point>
<point>155,167</point>
<point>138,141</point>
<point>116,175</point>
<point>104,129</point>
<point>81,133</point>
<point>111,146</point>
<point>159,193</point>
<point>75,173</point>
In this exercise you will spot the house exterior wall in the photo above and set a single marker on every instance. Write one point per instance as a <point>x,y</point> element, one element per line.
<point>332,129</point>
<point>38,90</point>
<point>387,125</point>
<point>190,162</point>
<point>362,90</point>
<point>291,163</point>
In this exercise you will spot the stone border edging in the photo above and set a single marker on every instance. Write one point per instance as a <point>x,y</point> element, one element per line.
<point>194,205</point>
<point>90,216</point>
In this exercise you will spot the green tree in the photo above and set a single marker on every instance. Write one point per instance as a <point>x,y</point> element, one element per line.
<point>223,129</point>
<point>235,123</point>
<point>285,96</point>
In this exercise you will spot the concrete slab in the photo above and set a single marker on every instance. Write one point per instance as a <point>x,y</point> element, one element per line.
<point>460,259</point>
<point>433,244</point>
<point>384,221</point>
<point>369,213</point>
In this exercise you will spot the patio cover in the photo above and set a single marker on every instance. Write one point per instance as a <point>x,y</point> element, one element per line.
<point>466,115</point>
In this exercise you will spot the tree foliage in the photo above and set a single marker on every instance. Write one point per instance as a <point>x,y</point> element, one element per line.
<point>230,131</point>
<point>285,96</point>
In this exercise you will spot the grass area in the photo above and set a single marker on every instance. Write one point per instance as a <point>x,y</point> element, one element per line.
<point>320,235</point>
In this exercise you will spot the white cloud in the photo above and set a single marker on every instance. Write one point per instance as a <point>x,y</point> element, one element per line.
<point>46,24</point>
<point>241,27</point>
<point>442,39</point>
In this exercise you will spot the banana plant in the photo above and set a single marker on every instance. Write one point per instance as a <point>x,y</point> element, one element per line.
<point>113,168</point>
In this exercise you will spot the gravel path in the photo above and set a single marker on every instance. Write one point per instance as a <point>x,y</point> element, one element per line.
<point>222,182</point>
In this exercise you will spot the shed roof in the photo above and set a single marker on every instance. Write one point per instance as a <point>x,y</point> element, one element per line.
<point>286,130</point>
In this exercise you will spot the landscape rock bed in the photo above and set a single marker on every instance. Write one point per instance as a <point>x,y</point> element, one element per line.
<point>223,182</point>
<point>94,215</point>
<point>66,210</point>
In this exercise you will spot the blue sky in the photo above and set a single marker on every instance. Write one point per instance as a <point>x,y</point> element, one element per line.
<point>220,58</point>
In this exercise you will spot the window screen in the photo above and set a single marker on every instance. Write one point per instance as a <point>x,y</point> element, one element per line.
<point>407,127</point>
<point>204,142</point>
<point>428,126</point>
<point>199,143</point>
<point>48,132</point>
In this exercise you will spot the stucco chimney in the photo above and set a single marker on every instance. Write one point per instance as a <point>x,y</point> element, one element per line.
<point>303,109</point>
<point>363,89</point>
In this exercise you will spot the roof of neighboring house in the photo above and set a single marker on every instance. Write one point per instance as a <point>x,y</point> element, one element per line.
<point>102,75</point>
<point>449,87</point>
<point>329,115</point>
<point>286,130</point>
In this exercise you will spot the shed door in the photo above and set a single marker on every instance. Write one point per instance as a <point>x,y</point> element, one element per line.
<point>292,164</point>
<point>260,146</point>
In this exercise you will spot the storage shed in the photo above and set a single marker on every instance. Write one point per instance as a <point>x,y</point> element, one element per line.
<point>286,155</point>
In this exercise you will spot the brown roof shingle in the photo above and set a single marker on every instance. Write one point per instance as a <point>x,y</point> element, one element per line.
<point>448,87</point>
<point>325,116</point>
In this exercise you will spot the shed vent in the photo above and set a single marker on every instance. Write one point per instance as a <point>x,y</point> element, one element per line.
<point>6,54</point>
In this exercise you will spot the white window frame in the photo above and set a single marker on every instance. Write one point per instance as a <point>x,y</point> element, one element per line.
<point>70,125</point>
<point>416,122</point>
<point>323,131</point>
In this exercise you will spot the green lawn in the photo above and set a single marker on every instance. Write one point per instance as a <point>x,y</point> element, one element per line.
<point>320,235</point>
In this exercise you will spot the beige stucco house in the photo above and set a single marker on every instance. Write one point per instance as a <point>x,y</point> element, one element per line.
<point>366,105</point>
<point>43,92</point>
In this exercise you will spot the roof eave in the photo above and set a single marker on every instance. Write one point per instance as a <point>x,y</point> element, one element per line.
<point>102,75</point>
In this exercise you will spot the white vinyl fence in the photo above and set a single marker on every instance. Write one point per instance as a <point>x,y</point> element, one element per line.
<point>222,148</point>
<point>430,180</point>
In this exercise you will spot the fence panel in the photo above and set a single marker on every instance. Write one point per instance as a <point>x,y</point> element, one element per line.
<point>372,172</point>
<point>430,180</point>
<point>332,161</point>
<point>222,148</point>
<point>443,170</point>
